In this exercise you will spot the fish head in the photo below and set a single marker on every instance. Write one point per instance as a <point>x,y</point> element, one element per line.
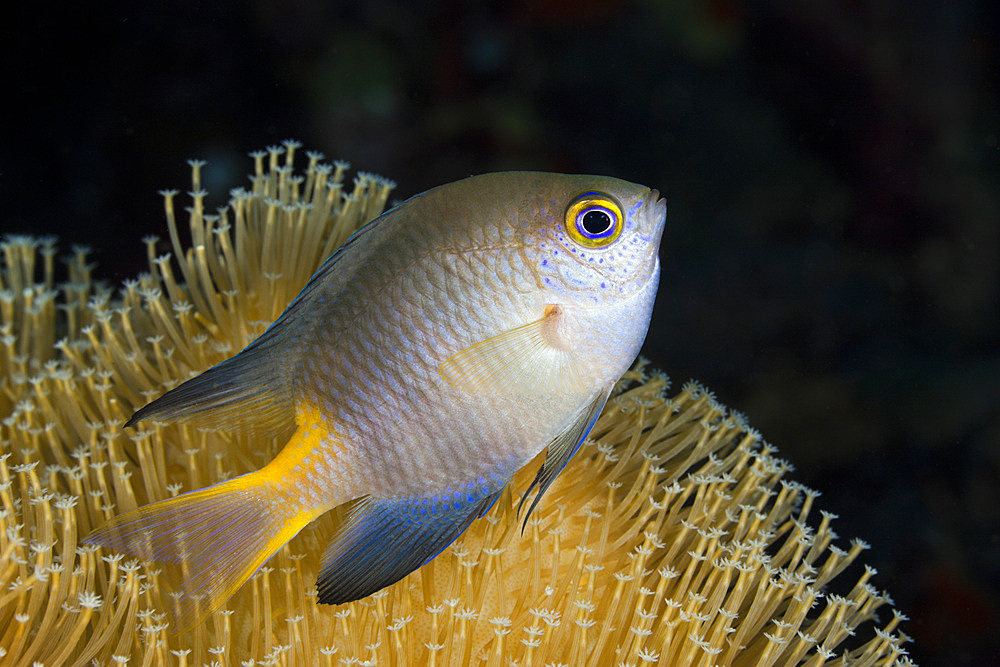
<point>594,245</point>
<point>577,252</point>
<point>598,241</point>
<point>592,240</point>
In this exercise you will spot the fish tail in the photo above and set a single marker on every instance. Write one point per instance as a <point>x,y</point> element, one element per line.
<point>218,536</point>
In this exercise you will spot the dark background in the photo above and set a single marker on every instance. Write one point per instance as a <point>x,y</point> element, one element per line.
<point>831,264</point>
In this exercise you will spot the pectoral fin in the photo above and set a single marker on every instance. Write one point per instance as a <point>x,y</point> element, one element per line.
<point>524,360</point>
<point>562,448</point>
<point>384,540</point>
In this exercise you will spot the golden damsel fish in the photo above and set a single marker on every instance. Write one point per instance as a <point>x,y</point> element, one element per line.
<point>431,357</point>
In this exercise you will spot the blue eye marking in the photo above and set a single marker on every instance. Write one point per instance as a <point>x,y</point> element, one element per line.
<point>594,220</point>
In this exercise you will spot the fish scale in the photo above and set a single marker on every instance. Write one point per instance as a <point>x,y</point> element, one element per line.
<point>441,349</point>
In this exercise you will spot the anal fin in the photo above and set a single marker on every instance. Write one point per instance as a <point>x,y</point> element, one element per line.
<point>384,540</point>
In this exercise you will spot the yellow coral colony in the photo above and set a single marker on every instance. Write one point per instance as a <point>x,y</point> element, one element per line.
<point>672,538</point>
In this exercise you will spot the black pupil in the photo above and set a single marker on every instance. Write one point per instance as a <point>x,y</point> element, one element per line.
<point>596,222</point>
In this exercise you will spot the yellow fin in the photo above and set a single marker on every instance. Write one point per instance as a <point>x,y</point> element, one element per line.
<point>218,536</point>
<point>518,361</point>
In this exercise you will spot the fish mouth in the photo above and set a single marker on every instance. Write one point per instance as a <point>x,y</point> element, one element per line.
<point>655,208</point>
<point>656,217</point>
<point>652,221</point>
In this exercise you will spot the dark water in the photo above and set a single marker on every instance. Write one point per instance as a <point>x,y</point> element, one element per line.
<point>832,257</point>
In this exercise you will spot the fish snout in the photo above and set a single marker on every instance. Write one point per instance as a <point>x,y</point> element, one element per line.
<point>655,208</point>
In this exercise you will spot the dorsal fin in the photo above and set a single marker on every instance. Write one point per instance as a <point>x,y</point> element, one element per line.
<point>251,392</point>
<point>247,393</point>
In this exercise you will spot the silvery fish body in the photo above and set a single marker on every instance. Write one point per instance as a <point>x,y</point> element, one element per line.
<point>435,354</point>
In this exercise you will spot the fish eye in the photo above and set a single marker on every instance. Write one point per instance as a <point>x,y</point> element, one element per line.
<point>594,220</point>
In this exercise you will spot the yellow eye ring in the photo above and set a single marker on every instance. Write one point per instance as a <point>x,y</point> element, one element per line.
<point>594,220</point>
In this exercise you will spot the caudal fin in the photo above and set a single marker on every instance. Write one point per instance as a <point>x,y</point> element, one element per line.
<point>219,536</point>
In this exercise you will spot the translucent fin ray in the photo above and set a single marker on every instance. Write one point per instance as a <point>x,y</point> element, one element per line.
<point>382,541</point>
<point>562,449</point>
<point>522,361</point>
<point>219,536</point>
